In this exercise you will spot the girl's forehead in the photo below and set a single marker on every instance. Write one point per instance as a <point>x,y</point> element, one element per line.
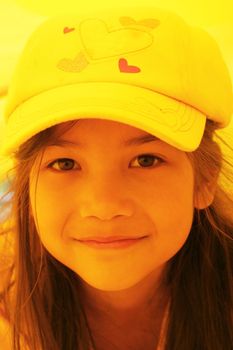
<point>85,131</point>
<point>82,130</point>
<point>91,123</point>
<point>88,129</point>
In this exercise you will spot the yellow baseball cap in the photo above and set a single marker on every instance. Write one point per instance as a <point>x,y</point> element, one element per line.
<point>138,65</point>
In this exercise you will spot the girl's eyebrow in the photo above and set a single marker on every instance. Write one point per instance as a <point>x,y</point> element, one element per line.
<point>133,141</point>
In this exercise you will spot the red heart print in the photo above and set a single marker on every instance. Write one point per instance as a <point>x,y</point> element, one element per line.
<point>124,67</point>
<point>68,30</point>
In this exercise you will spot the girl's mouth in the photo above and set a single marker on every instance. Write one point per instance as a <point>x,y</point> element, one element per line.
<point>112,245</point>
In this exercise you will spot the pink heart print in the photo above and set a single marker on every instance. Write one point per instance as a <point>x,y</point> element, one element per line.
<point>124,67</point>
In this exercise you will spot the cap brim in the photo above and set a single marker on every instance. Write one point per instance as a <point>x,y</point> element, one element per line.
<point>174,122</point>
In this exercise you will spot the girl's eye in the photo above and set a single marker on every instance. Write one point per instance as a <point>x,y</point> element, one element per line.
<point>148,160</point>
<point>66,161</point>
<point>144,160</point>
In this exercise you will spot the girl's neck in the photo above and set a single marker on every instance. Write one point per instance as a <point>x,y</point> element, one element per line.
<point>138,329</point>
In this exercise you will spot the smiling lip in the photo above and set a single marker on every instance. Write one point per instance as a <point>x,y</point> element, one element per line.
<point>109,239</point>
<point>119,244</point>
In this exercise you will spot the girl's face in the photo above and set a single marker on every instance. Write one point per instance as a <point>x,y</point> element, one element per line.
<point>107,188</point>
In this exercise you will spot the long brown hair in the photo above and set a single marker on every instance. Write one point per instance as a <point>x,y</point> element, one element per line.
<point>40,293</point>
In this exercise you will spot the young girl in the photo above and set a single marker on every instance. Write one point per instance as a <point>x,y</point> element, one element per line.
<point>121,230</point>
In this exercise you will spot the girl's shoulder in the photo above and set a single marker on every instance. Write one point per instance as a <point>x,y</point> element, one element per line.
<point>5,332</point>
<point>6,340</point>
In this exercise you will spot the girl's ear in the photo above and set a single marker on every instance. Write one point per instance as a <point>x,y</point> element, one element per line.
<point>204,196</point>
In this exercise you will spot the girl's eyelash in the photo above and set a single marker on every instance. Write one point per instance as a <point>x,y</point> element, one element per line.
<point>56,161</point>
